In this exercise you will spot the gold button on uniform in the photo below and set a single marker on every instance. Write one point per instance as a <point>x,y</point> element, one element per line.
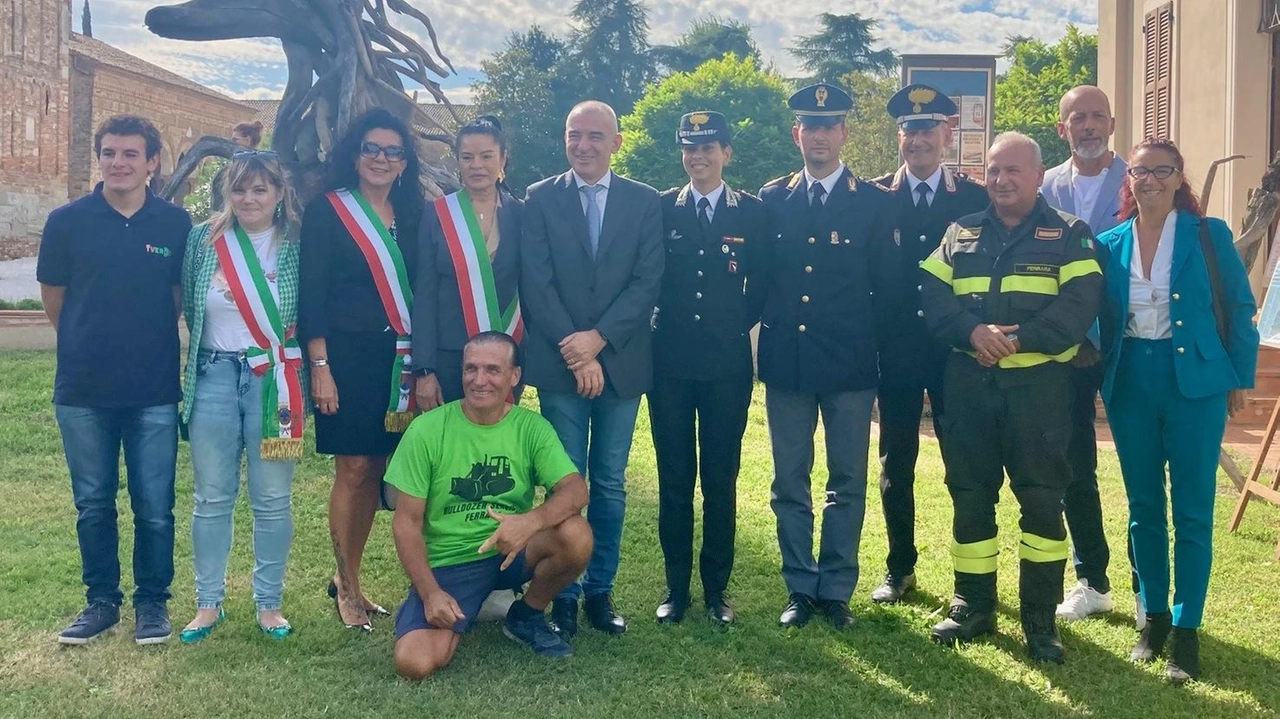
<point>808,268</point>
<point>697,295</point>
<point>701,253</point>
<point>919,313</point>
<point>811,240</point>
<point>804,298</point>
<point>802,328</point>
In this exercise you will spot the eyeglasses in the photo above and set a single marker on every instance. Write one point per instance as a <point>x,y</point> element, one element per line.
<point>264,154</point>
<point>1162,172</point>
<point>371,150</point>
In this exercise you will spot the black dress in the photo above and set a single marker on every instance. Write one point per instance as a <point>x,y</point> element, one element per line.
<point>337,300</point>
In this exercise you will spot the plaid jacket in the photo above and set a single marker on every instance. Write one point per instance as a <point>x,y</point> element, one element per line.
<point>197,274</point>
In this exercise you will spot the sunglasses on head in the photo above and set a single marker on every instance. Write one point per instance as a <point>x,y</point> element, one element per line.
<point>1161,172</point>
<point>265,154</point>
<point>371,150</point>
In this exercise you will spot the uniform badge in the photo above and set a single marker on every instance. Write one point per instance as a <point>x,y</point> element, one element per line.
<point>1048,233</point>
<point>853,184</point>
<point>733,240</point>
<point>673,235</point>
<point>724,249</point>
<point>821,95</point>
<point>733,267</point>
<point>968,234</point>
<point>897,237</point>
<point>835,237</point>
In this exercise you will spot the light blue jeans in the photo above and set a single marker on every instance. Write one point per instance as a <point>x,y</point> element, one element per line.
<point>226,423</point>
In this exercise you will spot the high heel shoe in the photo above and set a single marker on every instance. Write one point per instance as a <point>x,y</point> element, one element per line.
<point>337,605</point>
<point>376,609</point>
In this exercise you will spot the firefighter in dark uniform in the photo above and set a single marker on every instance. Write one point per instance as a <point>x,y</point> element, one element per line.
<point>710,298</point>
<point>1013,290</point>
<point>831,258</point>
<point>927,197</point>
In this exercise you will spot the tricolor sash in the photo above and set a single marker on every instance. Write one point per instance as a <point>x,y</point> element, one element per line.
<point>277,358</point>
<point>389,275</point>
<point>476,285</point>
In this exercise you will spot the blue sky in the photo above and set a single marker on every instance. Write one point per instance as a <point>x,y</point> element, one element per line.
<point>470,31</point>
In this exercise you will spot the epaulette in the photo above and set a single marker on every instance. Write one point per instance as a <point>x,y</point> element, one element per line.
<point>876,184</point>
<point>779,181</point>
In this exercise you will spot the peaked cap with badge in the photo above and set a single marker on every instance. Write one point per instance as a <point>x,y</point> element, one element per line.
<point>703,126</point>
<point>920,107</point>
<point>820,104</point>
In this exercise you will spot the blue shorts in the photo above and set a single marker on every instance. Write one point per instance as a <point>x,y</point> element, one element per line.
<point>469,584</point>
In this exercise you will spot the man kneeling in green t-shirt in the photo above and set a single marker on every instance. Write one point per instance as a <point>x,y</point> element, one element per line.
<point>466,472</point>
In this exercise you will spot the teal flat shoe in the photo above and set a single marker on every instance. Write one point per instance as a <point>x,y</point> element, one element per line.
<point>277,632</point>
<point>191,636</point>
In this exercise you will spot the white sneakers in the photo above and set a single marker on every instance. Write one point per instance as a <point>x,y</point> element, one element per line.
<point>1139,611</point>
<point>1084,601</point>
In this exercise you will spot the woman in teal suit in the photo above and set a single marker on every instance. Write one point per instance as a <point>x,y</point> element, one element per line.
<point>1170,384</point>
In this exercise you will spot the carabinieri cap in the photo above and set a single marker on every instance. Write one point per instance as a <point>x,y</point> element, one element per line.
<point>820,104</point>
<point>703,126</point>
<point>920,107</point>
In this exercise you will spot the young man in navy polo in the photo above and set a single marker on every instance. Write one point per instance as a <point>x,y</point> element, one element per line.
<point>109,271</point>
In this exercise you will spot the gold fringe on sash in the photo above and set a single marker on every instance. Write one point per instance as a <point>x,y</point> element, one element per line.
<point>281,449</point>
<point>397,422</point>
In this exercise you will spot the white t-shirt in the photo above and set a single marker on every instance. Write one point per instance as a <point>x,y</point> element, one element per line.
<point>224,328</point>
<point>1086,188</point>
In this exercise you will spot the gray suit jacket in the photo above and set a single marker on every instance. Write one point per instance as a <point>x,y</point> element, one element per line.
<point>564,290</point>
<point>1056,189</point>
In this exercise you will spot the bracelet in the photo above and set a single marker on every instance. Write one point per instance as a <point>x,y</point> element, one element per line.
<point>320,362</point>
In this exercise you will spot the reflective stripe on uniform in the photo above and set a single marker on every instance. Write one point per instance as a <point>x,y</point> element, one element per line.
<point>1035,548</point>
<point>971,285</point>
<point>1029,283</point>
<point>1031,359</point>
<point>937,268</point>
<point>1079,268</point>
<point>975,557</point>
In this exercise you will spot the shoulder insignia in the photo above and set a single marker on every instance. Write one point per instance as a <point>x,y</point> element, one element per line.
<point>852,182</point>
<point>948,179</point>
<point>898,176</point>
<point>1087,243</point>
<point>795,180</point>
<point>878,185</point>
<point>683,198</point>
<point>778,181</point>
<point>968,234</point>
<point>730,196</point>
<point>1048,233</point>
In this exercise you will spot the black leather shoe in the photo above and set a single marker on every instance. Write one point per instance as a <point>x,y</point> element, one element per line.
<point>718,609</point>
<point>839,614</point>
<point>1043,642</point>
<point>894,588</point>
<point>963,624</point>
<point>600,612</point>
<point>1184,656</point>
<point>672,609</point>
<point>799,609</point>
<point>564,618</point>
<point>1151,641</point>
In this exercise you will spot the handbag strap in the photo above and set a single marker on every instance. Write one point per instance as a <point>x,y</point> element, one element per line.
<point>1220,316</point>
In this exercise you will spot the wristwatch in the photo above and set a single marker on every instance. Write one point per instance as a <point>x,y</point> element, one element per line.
<point>422,371</point>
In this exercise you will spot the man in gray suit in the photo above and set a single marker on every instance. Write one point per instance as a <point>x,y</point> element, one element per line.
<point>592,261</point>
<point>1088,186</point>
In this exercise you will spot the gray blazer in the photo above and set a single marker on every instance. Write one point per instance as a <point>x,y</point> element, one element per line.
<point>564,290</point>
<point>1056,189</point>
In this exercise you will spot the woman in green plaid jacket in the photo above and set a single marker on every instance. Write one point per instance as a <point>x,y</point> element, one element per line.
<point>244,392</point>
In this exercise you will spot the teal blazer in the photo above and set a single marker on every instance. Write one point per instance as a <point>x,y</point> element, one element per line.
<point>1203,366</point>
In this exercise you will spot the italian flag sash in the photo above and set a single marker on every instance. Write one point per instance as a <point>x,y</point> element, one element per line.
<point>277,358</point>
<point>389,275</point>
<point>471,263</point>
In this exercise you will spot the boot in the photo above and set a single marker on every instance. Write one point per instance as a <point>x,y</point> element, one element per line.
<point>963,623</point>
<point>1151,641</point>
<point>1043,643</point>
<point>1184,656</point>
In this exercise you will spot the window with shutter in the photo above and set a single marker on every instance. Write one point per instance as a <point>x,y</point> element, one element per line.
<point>1157,73</point>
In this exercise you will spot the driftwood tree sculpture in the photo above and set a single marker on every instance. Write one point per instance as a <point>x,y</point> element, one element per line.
<point>344,57</point>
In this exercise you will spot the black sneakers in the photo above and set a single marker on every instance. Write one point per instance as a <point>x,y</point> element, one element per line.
<point>534,631</point>
<point>152,623</point>
<point>90,624</point>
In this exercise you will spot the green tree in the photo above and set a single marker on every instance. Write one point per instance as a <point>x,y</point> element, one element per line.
<point>872,149</point>
<point>753,101</point>
<point>841,47</point>
<point>610,51</point>
<point>708,38</point>
<point>525,86</point>
<point>1027,95</point>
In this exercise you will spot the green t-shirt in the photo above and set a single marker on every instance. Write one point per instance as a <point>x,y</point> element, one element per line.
<point>461,469</point>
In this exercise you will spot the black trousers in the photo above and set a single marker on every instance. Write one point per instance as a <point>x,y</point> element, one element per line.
<point>901,402</point>
<point>1081,502</point>
<point>698,425</point>
<point>1023,429</point>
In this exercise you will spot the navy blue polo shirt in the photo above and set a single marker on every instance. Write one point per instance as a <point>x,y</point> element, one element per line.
<point>118,331</point>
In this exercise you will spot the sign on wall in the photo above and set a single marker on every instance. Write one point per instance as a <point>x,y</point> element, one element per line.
<point>970,82</point>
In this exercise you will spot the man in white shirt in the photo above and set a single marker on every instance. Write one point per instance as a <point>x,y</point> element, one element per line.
<point>1087,185</point>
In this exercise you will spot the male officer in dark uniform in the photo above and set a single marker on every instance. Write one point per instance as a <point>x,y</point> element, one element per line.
<point>1012,290</point>
<point>831,257</point>
<point>710,298</point>
<point>928,198</point>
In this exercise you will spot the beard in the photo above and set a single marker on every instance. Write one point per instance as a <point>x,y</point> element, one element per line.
<point>1086,152</point>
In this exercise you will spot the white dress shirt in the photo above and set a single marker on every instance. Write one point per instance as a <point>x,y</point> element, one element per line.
<point>933,181</point>
<point>1149,296</point>
<point>828,183</point>
<point>602,197</point>
<point>713,197</point>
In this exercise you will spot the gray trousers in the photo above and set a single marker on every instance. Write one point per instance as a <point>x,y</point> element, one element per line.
<point>846,419</point>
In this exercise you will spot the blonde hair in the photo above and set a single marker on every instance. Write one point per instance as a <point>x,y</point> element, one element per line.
<point>243,169</point>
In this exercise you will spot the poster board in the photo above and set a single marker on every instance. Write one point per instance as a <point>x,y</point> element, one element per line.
<point>1269,318</point>
<point>970,82</point>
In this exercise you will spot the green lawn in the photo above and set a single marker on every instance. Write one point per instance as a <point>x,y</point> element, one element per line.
<point>885,667</point>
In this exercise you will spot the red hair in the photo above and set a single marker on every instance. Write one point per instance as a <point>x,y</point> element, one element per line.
<point>1184,198</point>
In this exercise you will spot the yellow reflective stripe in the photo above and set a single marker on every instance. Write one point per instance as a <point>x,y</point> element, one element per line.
<point>1031,359</point>
<point>1030,283</point>
<point>975,557</point>
<point>1079,268</point>
<point>1035,548</point>
<point>937,268</point>
<point>970,285</point>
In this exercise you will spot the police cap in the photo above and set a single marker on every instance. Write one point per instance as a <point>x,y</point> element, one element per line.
<point>820,104</point>
<point>703,126</point>
<point>920,107</point>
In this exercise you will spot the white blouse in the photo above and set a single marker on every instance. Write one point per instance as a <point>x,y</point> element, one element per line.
<point>1149,296</point>
<point>224,328</point>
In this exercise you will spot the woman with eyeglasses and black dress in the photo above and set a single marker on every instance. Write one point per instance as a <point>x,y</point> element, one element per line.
<point>1176,367</point>
<point>359,258</point>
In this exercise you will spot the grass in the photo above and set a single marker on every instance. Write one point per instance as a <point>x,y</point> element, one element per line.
<point>885,667</point>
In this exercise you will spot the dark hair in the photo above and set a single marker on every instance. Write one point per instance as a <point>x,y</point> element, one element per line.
<point>496,337</point>
<point>128,125</point>
<point>490,126</point>
<point>406,196</point>
<point>1184,198</point>
<point>251,130</point>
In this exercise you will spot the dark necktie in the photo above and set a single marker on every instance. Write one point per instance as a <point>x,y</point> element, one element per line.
<point>816,195</point>
<point>704,214</point>
<point>922,195</point>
